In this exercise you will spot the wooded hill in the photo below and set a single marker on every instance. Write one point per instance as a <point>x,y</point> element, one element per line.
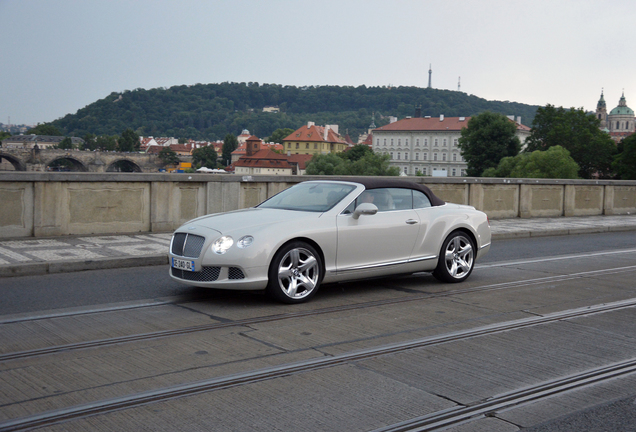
<point>210,111</point>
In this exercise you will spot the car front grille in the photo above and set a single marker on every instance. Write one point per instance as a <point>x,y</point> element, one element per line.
<point>187,245</point>
<point>235,273</point>
<point>207,274</point>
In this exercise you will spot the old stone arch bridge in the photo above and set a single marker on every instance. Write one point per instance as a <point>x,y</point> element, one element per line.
<point>82,161</point>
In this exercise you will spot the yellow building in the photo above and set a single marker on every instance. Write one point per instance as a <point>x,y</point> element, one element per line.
<point>312,139</point>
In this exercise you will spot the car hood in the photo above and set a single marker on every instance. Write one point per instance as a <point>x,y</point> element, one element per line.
<point>248,219</point>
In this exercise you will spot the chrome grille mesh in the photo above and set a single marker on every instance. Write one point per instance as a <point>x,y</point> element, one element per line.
<point>187,245</point>
<point>193,246</point>
<point>235,273</point>
<point>207,274</point>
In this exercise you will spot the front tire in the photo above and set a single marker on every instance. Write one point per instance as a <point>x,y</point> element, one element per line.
<point>295,273</point>
<point>456,259</point>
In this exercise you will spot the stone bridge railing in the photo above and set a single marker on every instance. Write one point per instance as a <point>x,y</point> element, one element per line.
<point>56,204</point>
<point>81,161</point>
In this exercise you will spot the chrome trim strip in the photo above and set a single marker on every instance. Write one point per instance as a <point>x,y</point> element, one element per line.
<point>373,266</point>
<point>486,245</point>
<point>424,258</point>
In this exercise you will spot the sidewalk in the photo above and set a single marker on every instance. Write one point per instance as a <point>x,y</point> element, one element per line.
<point>29,256</point>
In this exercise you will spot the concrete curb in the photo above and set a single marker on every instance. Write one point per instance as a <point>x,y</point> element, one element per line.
<point>42,268</point>
<point>501,230</point>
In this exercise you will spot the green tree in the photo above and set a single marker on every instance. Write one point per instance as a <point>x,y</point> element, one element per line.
<point>4,135</point>
<point>625,161</point>
<point>65,144</point>
<point>129,141</point>
<point>106,143</point>
<point>230,143</point>
<point>45,129</point>
<point>371,164</point>
<point>204,157</point>
<point>357,152</point>
<point>90,142</point>
<point>168,156</point>
<point>280,134</point>
<point>555,163</point>
<point>487,139</point>
<point>591,148</point>
<point>326,164</point>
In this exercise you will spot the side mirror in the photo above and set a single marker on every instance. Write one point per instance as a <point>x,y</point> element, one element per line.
<point>365,209</point>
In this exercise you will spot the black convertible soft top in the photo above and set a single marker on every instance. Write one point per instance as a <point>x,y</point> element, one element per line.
<point>391,182</point>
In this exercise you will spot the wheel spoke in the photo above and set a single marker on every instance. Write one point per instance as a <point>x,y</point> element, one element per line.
<point>463,265</point>
<point>457,244</point>
<point>307,282</point>
<point>453,269</point>
<point>307,264</point>
<point>284,273</point>
<point>466,250</point>
<point>293,287</point>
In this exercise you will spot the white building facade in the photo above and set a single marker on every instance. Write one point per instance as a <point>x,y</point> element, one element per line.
<point>425,145</point>
<point>429,145</point>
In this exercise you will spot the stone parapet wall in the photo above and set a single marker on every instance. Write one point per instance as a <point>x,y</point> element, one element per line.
<point>56,204</point>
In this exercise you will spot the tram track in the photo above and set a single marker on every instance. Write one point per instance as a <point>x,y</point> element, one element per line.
<point>177,300</point>
<point>429,422</point>
<point>290,315</point>
<point>492,406</point>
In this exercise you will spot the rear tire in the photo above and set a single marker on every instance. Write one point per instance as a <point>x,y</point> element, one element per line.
<point>295,273</point>
<point>456,258</point>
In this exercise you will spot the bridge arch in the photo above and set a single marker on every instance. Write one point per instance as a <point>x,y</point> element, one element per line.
<point>123,165</point>
<point>65,163</point>
<point>18,165</point>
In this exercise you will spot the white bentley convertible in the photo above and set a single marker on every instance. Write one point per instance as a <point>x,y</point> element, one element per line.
<point>330,231</point>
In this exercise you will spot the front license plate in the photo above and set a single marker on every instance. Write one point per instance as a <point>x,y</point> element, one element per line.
<point>183,264</point>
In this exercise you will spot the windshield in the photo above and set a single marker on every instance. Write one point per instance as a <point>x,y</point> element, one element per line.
<point>314,197</point>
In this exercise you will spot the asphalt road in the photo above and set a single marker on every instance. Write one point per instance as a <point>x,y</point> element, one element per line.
<point>65,290</point>
<point>531,314</point>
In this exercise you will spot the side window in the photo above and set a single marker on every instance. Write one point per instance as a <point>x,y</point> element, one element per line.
<point>387,199</point>
<point>420,200</point>
<point>402,198</point>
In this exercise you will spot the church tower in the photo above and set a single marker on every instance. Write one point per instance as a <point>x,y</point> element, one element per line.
<point>601,111</point>
<point>621,119</point>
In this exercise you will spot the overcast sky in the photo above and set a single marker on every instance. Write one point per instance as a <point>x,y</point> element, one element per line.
<point>58,56</point>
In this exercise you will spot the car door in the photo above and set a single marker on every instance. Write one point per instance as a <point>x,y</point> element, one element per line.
<point>380,240</point>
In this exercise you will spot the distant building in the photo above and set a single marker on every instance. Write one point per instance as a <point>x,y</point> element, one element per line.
<point>245,134</point>
<point>241,150</point>
<point>620,122</point>
<point>367,138</point>
<point>261,159</point>
<point>428,145</point>
<point>271,109</point>
<point>41,141</point>
<point>312,139</point>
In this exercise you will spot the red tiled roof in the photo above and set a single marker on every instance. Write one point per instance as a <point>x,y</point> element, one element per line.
<point>315,133</point>
<point>300,159</point>
<point>369,140</point>
<point>154,149</point>
<point>521,127</point>
<point>264,159</point>
<point>426,124</point>
<point>240,150</point>
<point>435,124</point>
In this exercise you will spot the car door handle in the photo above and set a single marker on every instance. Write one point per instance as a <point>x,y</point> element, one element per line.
<point>411,221</point>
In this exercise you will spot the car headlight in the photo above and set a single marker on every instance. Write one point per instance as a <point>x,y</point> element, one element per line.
<point>221,245</point>
<point>245,241</point>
